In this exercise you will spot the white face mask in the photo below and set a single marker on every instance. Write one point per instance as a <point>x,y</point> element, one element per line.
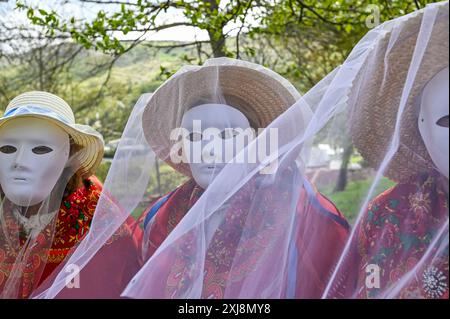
<point>433,120</point>
<point>33,155</point>
<point>213,130</point>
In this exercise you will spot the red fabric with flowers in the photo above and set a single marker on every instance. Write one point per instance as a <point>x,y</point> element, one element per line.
<point>394,235</point>
<point>71,225</point>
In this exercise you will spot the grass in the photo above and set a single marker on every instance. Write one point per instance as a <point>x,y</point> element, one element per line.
<point>350,200</point>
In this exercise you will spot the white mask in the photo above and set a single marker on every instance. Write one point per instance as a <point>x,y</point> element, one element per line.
<point>433,120</point>
<point>212,143</point>
<point>33,155</point>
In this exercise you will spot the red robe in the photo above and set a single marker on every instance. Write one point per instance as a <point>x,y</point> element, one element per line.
<point>321,223</point>
<point>54,246</point>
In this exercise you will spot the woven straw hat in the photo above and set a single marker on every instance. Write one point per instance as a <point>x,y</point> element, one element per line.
<point>52,108</point>
<point>259,93</point>
<point>375,104</point>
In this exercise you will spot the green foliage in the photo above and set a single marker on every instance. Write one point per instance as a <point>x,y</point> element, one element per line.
<point>143,17</point>
<point>102,170</point>
<point>104,105</point>
<point>307,38</point>
<point>169,180</point>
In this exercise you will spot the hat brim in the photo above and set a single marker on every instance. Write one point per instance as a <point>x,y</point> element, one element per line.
<point>91,143</point>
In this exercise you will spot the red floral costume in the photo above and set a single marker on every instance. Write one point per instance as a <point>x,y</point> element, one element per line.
<point>71,226</point>
<point>394,234</point>
<point>330,229</point>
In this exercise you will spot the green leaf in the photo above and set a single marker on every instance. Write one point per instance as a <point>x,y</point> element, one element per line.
<point>43,12</point>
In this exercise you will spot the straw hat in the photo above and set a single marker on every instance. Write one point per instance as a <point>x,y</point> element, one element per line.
<point>375,103</point>
<point>52,108</point>
<point>259,93</point>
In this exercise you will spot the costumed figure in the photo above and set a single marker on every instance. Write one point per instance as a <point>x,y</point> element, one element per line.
<point>48,191</point>
<point>217,107</point>
<point>399,122</point>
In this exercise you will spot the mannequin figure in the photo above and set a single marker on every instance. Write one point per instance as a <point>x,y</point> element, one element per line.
<point>213,135</point>
<point>48,196</point>
<point>400,223</point>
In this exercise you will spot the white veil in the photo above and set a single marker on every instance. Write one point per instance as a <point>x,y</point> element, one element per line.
<point>253,235</point>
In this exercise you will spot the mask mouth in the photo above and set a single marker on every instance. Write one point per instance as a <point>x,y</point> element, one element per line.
<point>210,169</point>
<point>213,167</point>
<point>20,179</point>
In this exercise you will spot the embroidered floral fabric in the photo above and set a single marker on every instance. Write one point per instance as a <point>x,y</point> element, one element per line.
<point>72,224</point>
<point>395,233</point>
<point>221,253</point>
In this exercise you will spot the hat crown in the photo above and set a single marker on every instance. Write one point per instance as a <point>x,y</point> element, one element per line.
<point>45,100</point>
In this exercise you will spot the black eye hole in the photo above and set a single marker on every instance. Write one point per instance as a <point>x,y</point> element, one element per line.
<point>39,150</point>
<point>194,137</point>
<point>8,149</point>
<point>443,121</point>
<point>227,133</point>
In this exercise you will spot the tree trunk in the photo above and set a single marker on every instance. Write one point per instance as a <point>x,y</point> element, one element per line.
<point>158,176</point>
<point>40,70</point>
<point>343,171</point>
<point>217,42</point>
<point>216,35</point>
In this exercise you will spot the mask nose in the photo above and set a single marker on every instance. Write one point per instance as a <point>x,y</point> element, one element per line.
<point>20,159</point>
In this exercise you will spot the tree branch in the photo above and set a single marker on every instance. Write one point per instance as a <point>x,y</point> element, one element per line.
<point>416,2</point>
<point>110,2</point>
